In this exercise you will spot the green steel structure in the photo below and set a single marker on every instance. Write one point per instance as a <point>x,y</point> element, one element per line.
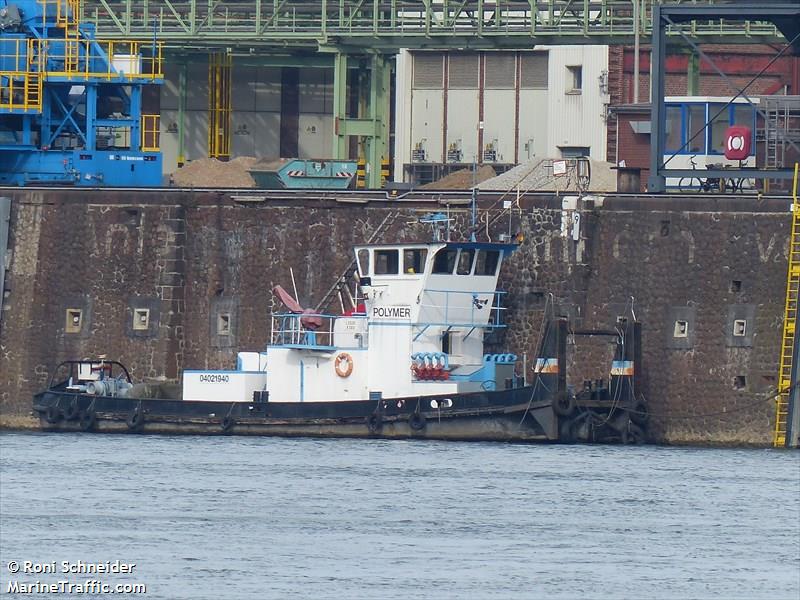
<point>386,25</point>
<point>355,37</point>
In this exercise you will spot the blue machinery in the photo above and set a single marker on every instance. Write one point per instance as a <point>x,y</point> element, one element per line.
<point>70,105</point>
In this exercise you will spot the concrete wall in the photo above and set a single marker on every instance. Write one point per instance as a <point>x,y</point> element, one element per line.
<point>188,257</point>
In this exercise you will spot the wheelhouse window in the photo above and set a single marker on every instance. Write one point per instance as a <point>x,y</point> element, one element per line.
<point>363,262</point>
<point>487,262</point>
<point>387,262</point>
<point>414,260</point>
<point>445,261</point>
<point>465,259</point>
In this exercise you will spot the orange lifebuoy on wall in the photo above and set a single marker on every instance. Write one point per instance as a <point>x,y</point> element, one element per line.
<point>344,364</point>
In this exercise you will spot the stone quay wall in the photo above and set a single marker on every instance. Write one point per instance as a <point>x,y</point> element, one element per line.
<point>189,257</point>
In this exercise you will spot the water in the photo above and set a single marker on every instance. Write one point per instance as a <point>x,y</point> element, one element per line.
<point>234,517</point>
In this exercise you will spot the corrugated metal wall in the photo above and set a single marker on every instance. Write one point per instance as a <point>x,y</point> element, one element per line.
<point>577,119</point>
<point>522,103</point>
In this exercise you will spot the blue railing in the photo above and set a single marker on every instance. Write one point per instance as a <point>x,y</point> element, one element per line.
<point>484,310</point>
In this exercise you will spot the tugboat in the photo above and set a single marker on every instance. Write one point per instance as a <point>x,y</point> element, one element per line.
<point>406,359</point>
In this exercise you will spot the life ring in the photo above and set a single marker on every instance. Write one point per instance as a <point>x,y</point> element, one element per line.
<point>343,364</point>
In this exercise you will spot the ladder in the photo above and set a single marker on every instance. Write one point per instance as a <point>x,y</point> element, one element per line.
<point>789,325</point>
<point>33,91</point>
<point>68,19</point>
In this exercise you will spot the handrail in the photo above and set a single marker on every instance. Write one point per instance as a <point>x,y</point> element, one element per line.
<point>396,23</point>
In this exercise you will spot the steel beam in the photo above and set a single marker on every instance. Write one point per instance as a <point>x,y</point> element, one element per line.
<point>670,16</point>
<point>387,25</point>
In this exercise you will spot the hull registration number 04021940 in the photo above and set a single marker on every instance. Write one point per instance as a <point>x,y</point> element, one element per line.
<point>214,378</point>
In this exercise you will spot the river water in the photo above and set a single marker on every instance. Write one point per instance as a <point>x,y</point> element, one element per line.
<point>235,517</point>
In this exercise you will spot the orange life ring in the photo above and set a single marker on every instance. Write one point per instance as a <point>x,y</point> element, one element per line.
<point>344,364</point>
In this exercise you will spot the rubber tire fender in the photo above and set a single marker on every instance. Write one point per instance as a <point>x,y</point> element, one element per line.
<point>374,423</point>
<point>136,419</point>
<point>53,414</point>
<point>87,419</point>
<point>73,411</point>
<point>565,433</point>
<point>564,404</point>
<point>417,421</point>
<point>633,434</point>
<point>639,413</point>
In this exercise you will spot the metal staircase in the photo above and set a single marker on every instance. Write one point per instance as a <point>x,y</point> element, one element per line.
<point>789,326</point>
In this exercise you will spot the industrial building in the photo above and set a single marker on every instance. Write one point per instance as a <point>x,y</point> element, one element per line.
<point>416,89</point>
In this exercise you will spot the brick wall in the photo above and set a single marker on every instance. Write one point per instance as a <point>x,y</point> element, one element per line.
<point>190,257</point>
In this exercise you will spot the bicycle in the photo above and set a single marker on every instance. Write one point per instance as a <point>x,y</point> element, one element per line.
<point>691,184</point>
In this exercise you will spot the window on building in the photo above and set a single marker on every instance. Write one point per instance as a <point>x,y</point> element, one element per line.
<point>414,260</point>
<point>465,259</point>
<point>387,262</point>
<point>696,129</point>
<point>674,129</point>
<point>574,151</point>
<point>574,79</point>
<point>487,262</point>
<point>744,114</point>
<point>720,121</point>
<point>445,261</point>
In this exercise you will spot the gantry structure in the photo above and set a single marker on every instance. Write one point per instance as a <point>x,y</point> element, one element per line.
<point>387,25</point>
<point>359,36</point>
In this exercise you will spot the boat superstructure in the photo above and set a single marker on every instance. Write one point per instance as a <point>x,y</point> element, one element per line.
<point>405,357</point>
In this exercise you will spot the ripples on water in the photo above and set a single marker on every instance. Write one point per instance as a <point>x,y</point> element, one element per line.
<point>235,517</point>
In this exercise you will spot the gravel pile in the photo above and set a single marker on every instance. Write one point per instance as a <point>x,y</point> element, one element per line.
<point>210,172</point>
<point>537,175</point>
<point>461,180</point>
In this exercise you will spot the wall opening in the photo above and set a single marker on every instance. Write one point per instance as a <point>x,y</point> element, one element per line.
<point>681,329</point>
<point>739,382</point>
<point>739,327</point>
<point>74,320</point>
<point>224,324</point>
<point>141,319</point>
<point>736,286</point>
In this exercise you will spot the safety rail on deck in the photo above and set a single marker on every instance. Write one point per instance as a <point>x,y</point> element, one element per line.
<point>301,21</point>
<point>478,314</point>
<point>289,329</point>
<point>29,60</point>
<point>107,59</point>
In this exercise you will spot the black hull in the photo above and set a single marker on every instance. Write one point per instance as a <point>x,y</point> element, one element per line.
<point>506,415</point>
